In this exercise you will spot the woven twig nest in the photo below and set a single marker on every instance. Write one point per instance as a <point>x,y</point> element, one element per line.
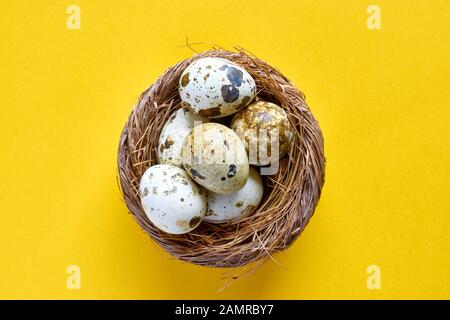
<point>290,196</point>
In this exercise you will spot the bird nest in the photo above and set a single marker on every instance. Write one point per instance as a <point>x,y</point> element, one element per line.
<point>290,195</point>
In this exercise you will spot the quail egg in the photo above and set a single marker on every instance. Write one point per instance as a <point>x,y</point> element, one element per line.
<point>215,158</point>
<point>173,134</point>
<point>235,206</point>
<point>265,130</point>
<point>171,200</point>
<point>216,87</point>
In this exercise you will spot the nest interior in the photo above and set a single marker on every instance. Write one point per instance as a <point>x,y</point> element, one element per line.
<point>290,196</point>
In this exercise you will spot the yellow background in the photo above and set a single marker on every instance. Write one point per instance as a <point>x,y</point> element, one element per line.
<point>381,98</point>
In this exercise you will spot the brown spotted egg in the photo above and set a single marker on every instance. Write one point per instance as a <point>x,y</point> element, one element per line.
<point>173,133</point>
<point>265,130</point>
<point>215,158</point>
<point>238,205</point>
<point>171,200</point>
<point>216,87</point>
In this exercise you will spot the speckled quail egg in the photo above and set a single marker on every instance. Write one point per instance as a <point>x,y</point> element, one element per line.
<point>216,87</point>
<point>215,157</point>
<point>171,200</point>
<point>265,130</point>
<point>173,134</point>
<point>235,206</point>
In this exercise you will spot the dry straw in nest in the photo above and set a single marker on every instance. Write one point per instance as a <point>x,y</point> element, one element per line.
<point>290,196</point>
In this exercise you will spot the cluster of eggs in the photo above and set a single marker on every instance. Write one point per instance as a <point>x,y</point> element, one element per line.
<point>204,171</point>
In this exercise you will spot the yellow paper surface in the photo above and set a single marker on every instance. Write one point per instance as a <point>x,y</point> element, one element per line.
<point>381,97</point>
